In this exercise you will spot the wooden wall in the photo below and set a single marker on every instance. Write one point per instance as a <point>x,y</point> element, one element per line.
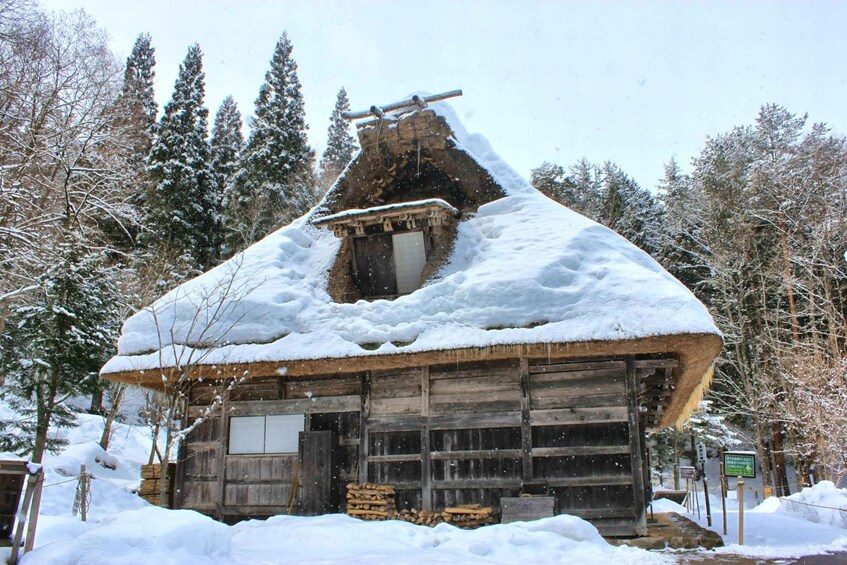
<point>444,435</point>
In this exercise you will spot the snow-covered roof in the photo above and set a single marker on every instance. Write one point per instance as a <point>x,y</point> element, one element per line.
<point>524,270</point>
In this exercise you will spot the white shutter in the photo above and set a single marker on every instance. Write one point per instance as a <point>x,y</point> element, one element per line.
<point>409,260</point>
<point>247,434</point>
<point>282,433</point>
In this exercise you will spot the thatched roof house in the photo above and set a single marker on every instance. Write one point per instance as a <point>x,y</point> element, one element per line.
<point>431,256</point>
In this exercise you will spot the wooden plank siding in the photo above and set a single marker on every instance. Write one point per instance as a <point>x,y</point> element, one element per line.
<point>444,435</point>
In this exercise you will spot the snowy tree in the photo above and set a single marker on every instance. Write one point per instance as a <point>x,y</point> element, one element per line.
<point>184,206</point>
<point>227,141</point>
<point>137,95</point>
<point>54,346</point>
<point>340,145</point>
<point>274,181</point>
<point>606,195</point>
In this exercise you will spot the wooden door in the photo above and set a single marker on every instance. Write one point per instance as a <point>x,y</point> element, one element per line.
<point>317,473</point>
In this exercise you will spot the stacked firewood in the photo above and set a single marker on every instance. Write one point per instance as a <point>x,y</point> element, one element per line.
<point>371,501</point>
<point>469,515</point>
<point>464,516</point>
<point>421,517</point>
<point>151,483</point>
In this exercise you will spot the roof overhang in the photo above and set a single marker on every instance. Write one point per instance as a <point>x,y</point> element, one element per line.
<point>692,375</point>
<point>432,212</point>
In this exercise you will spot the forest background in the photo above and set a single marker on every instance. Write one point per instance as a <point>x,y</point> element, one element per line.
<point>106,203</point>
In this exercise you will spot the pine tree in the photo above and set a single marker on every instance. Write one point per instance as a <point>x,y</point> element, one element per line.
<point>137,94</point>
<point>340,145</point>
<point>274,181</point>
<point>55,344</point>
<point>184,204</point>
<point>227,141</point>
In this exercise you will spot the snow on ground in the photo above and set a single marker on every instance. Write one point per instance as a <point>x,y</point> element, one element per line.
<point>123,529</point>
<point>575,280</point>
<point>773,529</point>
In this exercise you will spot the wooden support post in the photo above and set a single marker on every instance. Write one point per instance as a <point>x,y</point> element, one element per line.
<point>426,464</point>
<point>635,448</point>
<point>83,481</point>
<point>223,446</point>
<point>364,440</point>
<point>526,423</point>
<point>19,530</point>
<point>34,510</point>
<point>706,498</point>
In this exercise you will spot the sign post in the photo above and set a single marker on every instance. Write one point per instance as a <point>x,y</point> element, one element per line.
<point>741,464</point>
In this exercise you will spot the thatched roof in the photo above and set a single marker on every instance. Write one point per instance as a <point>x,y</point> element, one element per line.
<point>521,276</point>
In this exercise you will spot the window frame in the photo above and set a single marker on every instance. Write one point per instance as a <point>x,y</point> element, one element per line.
<point>264,435</point>
<point>426,235</point>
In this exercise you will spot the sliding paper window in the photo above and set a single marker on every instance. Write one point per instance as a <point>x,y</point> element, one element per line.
<point>265,434</point>
<point>409,260</point>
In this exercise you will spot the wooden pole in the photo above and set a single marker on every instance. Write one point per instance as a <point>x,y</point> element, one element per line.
<point>740,496</point>
<point>34,510</point>
<point>708,504</point>
<point>19,530</point>
<point>723,493</point>
<point>696,498</point>
<point>83,492</point>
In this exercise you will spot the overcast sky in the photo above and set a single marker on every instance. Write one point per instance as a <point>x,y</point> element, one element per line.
<point>634,83</point>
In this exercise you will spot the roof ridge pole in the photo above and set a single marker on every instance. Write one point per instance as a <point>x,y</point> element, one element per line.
<point>415,100</point>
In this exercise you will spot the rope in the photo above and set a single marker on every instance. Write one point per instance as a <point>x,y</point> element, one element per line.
<point>813,505</point>
<point>62,482</point>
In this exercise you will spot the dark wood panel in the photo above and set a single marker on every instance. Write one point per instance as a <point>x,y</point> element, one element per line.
<point>257,495</point>
<point>300,406</point>
<point>587,401</point>
<point>578,415</point>
<point>261,468</point>
<point>317,470</point>
<point>539,366</point>
<point>335,385</point>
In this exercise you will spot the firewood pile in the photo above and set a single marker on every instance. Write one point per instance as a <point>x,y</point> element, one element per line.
<point>421,517</point>
<point>469,515</point>
<point>371,501</point>
<point>151,483</point>
<point>465,516</point>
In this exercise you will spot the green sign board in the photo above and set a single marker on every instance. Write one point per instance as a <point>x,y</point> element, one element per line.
<point>739,464</point>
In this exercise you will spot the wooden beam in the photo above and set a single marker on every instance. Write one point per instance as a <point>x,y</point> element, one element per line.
<point>476,484</point>
<point>413,101</point>
<point>635,449</point>
<point>350,403</point>
<point>568,416</point>
<point>577,450</point>
<point>476,454</point>
<point>592,481</point>
<point>526,423</point>
<point>364,437</point>
<point>426,470</point>
<point>223,447</point>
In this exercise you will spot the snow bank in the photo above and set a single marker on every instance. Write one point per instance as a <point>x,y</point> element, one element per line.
<point>562,539</point>
<point>146,535</point>
<point>523,270</point>
<point>823,503</point>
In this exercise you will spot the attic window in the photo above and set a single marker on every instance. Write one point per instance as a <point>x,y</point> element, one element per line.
<point>389,264</point>
<point>390,243</point>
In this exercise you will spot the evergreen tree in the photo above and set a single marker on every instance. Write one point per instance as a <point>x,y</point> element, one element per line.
<point>274,181</point>
<point>54,346</point>
<point>227,141</point>
<point>137,94</point>
<point>630,210</point>
<point>184,202</point>
<point>340,145</point>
